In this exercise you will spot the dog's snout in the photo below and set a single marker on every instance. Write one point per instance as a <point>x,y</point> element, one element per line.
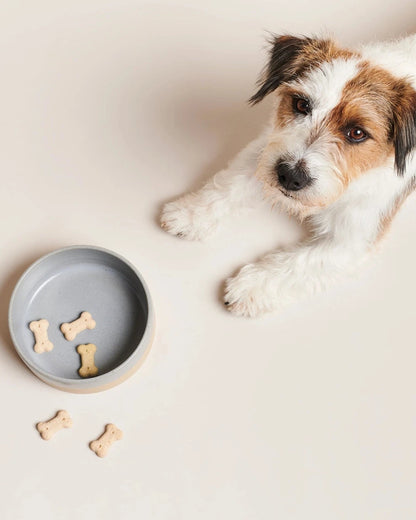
<point>292,178</point>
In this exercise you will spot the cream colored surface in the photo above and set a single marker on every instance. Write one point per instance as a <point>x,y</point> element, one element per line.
<point>109,109</point>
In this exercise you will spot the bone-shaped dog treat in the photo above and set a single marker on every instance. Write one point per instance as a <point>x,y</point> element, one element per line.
<point>88,367</point>
<point>101,446</point>
<point>48,429</point>
<point>40,331</point>
<point>70,330</point>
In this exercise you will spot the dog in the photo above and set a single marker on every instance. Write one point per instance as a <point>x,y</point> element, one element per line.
<point>337,153</point>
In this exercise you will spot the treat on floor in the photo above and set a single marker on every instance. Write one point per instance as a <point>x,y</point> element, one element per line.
<point>70,330</point>
<point>40,331</point>
<point>48,429</point>
<point>88,368</point>
<point>101,446</point>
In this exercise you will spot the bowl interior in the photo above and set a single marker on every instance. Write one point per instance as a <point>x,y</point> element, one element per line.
<point>62,285</point>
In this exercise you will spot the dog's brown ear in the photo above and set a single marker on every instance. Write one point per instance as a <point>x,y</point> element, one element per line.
<point>404,126</point>
<point>282,66</point>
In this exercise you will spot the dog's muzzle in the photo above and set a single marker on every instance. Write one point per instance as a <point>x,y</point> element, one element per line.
<point>292,178</point>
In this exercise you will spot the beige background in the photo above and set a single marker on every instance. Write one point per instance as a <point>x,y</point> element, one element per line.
<point>109,109</point>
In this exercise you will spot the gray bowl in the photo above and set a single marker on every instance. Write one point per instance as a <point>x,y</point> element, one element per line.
<point>61,285</point>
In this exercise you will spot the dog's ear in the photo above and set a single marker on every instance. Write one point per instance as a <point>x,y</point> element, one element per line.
<point>404,126</point>
<point>283,64</point>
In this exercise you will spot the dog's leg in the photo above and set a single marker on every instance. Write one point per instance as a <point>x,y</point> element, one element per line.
<point>197,215</point>
<point>346,234</point>
<point>285,276</point>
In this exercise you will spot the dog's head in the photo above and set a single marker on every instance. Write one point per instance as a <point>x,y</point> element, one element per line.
<point>336,117</point>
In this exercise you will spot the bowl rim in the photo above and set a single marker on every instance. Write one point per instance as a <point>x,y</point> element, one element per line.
<point>112,374</point>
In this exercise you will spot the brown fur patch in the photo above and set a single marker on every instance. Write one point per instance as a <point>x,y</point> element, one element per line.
<point>318,51</point>
<point>371,101</point>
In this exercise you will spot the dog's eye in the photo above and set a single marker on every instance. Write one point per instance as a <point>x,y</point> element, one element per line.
<point>301,106</point>
<point>356,135</point>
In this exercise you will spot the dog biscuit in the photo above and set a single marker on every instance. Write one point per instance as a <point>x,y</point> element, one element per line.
<point>88,367</point>
<point>40,331</point>
<point>48,429</point>
<point>70,330</point>
<point>101,446</point>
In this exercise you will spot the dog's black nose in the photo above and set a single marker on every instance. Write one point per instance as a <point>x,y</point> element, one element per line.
<point>292,178</point>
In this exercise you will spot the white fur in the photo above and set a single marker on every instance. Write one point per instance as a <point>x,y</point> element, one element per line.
<point>345,229</point>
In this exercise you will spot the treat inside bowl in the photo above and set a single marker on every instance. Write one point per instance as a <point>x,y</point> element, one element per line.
<point>59,288</point>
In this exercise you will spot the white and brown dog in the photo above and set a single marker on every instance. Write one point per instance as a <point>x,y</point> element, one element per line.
<point>338,151</point>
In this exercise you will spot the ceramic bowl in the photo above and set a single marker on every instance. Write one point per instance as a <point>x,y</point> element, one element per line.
<point>61,285</point>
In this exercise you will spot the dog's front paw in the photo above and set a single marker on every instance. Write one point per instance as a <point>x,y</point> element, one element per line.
<point>250,293</point>
<point>187,218</point>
